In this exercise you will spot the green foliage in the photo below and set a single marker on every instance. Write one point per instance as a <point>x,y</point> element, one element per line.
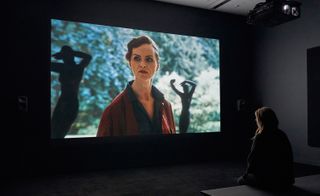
<point>181,57</point>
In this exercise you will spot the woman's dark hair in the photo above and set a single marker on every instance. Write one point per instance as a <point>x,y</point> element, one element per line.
<point>139,41</point>
<point>266,119</point>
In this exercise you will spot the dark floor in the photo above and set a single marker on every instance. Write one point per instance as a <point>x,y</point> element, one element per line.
<point>183,179</point>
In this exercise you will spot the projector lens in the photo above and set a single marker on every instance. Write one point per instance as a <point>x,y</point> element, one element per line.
<point>286,9</point>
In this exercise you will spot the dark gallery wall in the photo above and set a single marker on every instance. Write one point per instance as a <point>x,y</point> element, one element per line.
<point>25,125</point>
<point>281,75</point>
<point>29,149</point>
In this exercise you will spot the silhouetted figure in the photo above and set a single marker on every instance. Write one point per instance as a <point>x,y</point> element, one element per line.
<point>70,75</point>
<point>186,97</point>
<point>270,162</point>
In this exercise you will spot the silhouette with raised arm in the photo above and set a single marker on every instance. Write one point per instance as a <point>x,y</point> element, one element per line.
<point>186,97</point>
<point>70,75</point>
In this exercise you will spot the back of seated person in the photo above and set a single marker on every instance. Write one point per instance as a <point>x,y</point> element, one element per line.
<point>270,161</point>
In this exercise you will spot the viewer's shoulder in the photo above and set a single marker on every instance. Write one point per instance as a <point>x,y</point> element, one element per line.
<point>282,133</point>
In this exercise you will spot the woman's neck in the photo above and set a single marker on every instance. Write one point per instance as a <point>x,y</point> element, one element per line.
<point>142,90</point>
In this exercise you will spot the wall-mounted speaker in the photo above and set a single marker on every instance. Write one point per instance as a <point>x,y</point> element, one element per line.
<point>313,73</point>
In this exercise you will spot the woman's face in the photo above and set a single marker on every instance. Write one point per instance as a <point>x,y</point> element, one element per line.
<point>143,62</point>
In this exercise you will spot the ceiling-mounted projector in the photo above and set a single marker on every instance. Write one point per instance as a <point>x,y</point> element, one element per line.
<point>274,12</point>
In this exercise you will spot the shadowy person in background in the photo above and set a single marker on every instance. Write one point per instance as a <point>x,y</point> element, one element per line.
<point>70,75</point>
<point>141,108</point>
<point>186,97</point>
<point>270,162</point>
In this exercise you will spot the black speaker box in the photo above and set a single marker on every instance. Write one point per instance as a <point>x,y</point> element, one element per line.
<point>313,73</point>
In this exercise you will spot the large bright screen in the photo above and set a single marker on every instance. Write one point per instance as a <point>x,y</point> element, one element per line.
<point>89,70</point>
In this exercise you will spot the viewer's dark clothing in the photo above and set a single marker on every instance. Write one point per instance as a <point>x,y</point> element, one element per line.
<point>270,162</point>
<point>124,116</point>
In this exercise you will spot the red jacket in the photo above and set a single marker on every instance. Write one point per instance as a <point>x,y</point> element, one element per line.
<point>118,118</point>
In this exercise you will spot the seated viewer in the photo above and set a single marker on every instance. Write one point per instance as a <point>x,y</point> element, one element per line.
<point>270,162</point>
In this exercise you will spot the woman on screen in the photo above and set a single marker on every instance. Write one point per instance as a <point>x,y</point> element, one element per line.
<point>141,108</point>
<point>270,162</point>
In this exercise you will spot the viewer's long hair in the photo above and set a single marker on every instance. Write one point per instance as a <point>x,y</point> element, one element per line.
<point>266,120</point>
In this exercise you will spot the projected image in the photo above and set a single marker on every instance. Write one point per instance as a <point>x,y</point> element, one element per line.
<point>100,76</point>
